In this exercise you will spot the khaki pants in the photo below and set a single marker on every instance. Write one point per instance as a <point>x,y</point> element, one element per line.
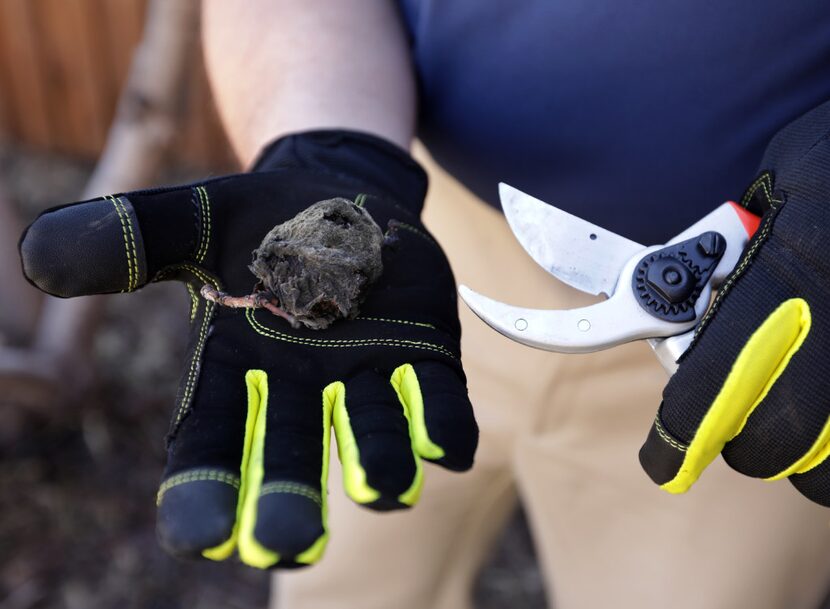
<point>561,433</point>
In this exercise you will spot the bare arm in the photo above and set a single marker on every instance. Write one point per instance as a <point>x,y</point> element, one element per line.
<point>278,67</point>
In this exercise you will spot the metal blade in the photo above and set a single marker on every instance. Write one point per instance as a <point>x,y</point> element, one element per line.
<point>578,253</point>
<point>600,326</point>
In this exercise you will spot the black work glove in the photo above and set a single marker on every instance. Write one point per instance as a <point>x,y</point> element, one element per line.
<point>248,447</point>
<point>755,384</point>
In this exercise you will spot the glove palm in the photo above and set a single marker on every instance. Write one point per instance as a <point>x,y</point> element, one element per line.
<point>249,440</point>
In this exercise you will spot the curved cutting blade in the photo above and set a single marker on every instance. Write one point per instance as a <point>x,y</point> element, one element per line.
<point>600,326</point>
<point>578,253</point>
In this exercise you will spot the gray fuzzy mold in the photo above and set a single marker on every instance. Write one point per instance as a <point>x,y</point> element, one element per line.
<point>320,264</point>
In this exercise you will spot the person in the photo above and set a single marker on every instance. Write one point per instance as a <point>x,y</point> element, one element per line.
<point>639,118</point>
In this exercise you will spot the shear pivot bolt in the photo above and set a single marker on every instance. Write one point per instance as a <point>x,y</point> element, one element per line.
<point>670,279</point>
<point>521,324</point>
<point>583,325</point>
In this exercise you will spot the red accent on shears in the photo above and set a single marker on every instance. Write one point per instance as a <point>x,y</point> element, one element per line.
<point>747,218</point>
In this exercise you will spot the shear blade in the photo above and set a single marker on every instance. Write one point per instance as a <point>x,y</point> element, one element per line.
<point>605,324</point>
<point>582,255</point>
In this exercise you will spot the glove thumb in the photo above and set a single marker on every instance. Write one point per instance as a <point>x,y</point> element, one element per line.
<point>111,244</point>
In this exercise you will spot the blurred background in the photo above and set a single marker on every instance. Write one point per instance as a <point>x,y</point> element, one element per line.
<point>100,96</point>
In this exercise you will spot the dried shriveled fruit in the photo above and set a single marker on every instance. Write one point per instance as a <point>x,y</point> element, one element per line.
<point>315,268</point>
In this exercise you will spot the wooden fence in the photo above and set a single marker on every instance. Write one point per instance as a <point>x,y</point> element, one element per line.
<point>62,65</point>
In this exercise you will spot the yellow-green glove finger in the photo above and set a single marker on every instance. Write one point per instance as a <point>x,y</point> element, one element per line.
<point>283,497</point>
<point>748,415</point>
<point>380,469</point>
<point>785,433</point>
<point>443,426</point>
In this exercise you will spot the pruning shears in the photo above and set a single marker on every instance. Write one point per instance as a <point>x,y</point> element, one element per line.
<point>658,293</point>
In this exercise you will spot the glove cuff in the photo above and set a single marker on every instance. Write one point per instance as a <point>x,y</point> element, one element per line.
<point>379,166</point>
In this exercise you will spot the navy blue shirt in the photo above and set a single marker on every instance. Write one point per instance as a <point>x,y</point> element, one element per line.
<point>639,116</point>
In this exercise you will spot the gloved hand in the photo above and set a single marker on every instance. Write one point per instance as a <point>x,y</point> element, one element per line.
<point>248,446</point>
<point>755,383</point>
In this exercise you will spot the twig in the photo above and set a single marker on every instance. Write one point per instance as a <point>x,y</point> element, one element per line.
<point>257,300</point>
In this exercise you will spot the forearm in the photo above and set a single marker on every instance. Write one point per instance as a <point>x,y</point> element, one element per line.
<point>281,67</point>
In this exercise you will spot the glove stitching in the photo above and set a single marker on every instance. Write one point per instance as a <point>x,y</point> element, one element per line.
<point>335,343</point>
<point>294,488</point>
<point>194,301</point>
<point>130,278</point>
<point>733,277</point>
<point>197,475</point>
<point>397,321</point>
<point>417,231</point>
<point>133,248</point>
<point>195,365</point>
<point>198,218</point>
<point>197,272</point>
<point>362,199</point>
<point>764,181</point>
<point>204,223</point>
<point>193,371</point>
<point>209,216</point>
<point>665,435</point>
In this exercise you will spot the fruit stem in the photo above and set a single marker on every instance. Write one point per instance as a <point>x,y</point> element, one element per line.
<point>257,300</point>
